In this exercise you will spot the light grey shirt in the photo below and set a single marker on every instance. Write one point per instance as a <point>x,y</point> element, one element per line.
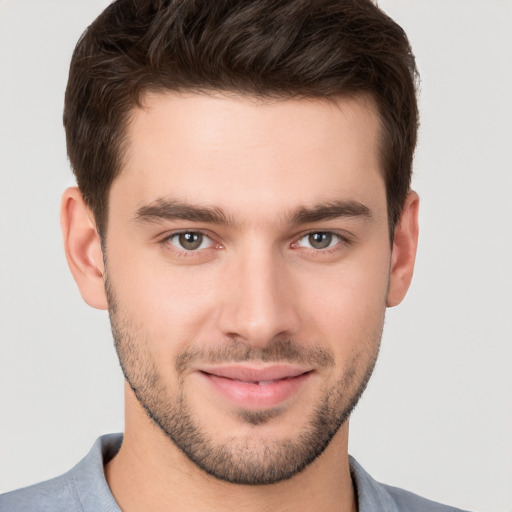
<point>85,489</point>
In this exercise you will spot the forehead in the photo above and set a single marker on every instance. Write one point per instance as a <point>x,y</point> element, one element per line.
<point>239,152</point>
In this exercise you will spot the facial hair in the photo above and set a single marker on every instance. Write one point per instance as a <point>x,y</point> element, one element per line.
<point>240,459</point>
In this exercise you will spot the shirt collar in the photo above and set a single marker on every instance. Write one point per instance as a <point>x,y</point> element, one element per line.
<point>94,493</point>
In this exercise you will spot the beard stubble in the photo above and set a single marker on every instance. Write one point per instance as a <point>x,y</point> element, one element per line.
<point>241,459</point>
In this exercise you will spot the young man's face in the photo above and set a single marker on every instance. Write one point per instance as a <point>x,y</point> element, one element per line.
<point>248,265</point>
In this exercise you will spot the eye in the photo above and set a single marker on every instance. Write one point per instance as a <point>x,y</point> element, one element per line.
<point>319,240</point>
<point>190,241</point>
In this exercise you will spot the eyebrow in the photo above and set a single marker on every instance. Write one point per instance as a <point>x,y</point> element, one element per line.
<point>331,210</point>
<point>163,209</point>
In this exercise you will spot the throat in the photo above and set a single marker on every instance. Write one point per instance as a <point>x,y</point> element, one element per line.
<point>150,473</point>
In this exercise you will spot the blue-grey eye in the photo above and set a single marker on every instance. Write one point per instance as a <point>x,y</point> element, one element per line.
<point>190,241</point>
<point>319,240</point>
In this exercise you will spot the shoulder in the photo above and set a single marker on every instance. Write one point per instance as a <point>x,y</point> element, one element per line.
<point>56,495</point>
<point>409,501</point>
<point>376,497</point>
<point>82,489</point>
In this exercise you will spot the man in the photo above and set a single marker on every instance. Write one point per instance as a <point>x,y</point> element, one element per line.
<point>244,212</point>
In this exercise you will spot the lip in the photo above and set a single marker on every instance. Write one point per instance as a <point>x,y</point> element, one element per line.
<point>256,387</point>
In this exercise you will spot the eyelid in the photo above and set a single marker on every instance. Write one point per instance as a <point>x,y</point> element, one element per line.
<point>164,241</point>
<point>343,239</point>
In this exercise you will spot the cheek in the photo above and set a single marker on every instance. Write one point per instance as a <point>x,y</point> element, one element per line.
<point>339,305</point>
<point>171,305</point>
<point>345,305</point>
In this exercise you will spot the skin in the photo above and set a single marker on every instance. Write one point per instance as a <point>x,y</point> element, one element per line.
<point>256,282</point>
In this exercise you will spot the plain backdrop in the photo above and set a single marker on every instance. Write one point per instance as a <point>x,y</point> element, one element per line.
<point>437,416</point>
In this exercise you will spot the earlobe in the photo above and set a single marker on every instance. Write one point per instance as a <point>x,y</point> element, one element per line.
<point>403,255</point>
<point>83,248</point>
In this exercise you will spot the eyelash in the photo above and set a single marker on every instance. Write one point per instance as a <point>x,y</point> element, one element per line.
<point>184,253</point>
<point>342,241</point>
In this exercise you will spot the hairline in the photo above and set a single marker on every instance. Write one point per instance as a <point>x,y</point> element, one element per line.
<point>367,97</point>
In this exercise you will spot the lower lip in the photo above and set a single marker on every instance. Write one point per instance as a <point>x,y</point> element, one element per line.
<point>254,395</point>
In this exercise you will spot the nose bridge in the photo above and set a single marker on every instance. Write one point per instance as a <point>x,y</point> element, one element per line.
<point>258,306</point>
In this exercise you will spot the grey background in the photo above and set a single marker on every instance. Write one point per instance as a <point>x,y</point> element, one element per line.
<point>437,416</point>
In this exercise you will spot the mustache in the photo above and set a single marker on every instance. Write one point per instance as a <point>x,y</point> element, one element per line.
<point>235,351</point>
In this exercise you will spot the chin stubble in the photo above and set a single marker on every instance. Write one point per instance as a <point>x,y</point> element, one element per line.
<point>236,459</point>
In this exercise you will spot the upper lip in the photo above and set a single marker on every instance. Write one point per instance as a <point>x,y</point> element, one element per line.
<point>252,373</point>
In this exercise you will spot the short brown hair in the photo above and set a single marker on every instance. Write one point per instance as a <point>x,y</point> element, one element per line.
<point>267,48</point>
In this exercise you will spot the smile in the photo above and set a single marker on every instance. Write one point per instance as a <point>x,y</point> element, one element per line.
<point>256,388</point>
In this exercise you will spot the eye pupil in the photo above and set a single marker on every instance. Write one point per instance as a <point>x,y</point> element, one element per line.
<point>190,241</point>
<point>320,240</point>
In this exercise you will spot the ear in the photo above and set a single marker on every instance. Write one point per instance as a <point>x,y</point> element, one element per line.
<point>403,255</point>
<point>83,248</point>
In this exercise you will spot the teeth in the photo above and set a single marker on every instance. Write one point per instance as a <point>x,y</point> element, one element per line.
<point>265,382</point>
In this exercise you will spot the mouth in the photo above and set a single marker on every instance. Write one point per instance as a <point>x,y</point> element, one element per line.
<point>253,387</point>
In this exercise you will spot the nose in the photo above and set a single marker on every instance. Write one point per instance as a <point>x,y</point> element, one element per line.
<point>257,304</point>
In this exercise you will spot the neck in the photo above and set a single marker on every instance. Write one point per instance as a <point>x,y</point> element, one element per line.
<point>151,473</point>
